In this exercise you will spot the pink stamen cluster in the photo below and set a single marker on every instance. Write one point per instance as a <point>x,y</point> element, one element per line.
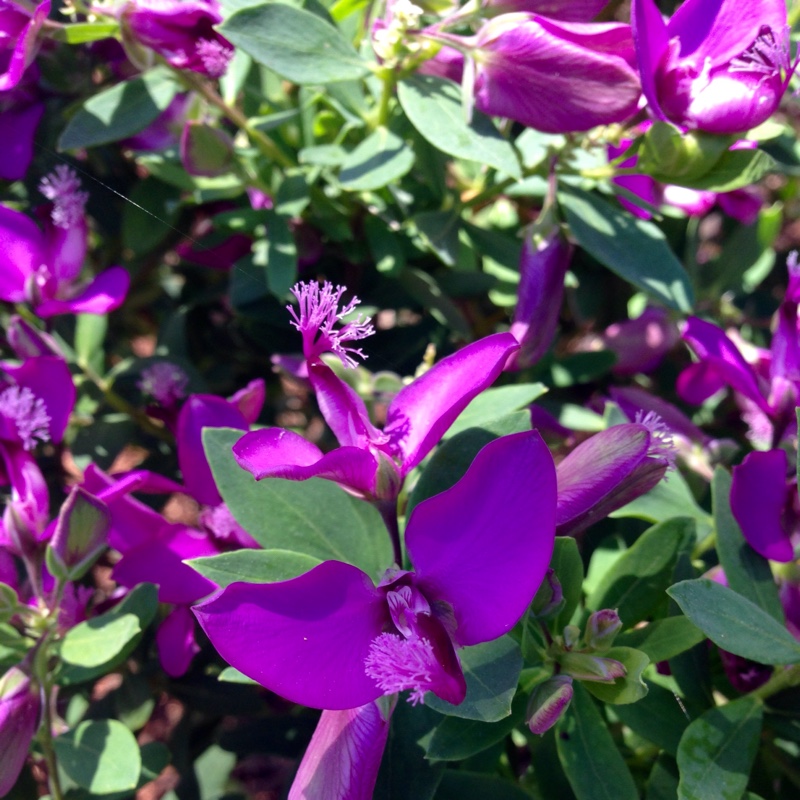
<point>62,188</point>
<point>215,57</point>
<point>27,412</point>
<point>397,664</point>
<point>318,315</point>
<point>768,54</point>
<point>662,444</point>
<point>164,382</point>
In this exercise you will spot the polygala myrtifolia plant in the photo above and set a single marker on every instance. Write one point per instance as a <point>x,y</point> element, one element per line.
<point>544,545</point>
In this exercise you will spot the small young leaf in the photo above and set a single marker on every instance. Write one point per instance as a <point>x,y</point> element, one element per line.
<point>253,566</point>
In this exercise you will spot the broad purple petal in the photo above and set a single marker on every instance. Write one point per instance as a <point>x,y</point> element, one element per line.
<point>17,129</point>
<point>160,561</point>
<point>175,641</point>
<point>568,10</point>
<point>305,639</point>
<point>66,250</point>
<point>105,293</point>
<point>30,499</point>
<point>722,364</point>
<point>22,252</point>
<point>198,412</point>
<point>759,494</point>
<point>633,400</point>
<point>20,711</point>
<point>250,399</point>
<point>483,545</point>
<point>344,755</point>
<point>278,453</point>
<point>421,413</point>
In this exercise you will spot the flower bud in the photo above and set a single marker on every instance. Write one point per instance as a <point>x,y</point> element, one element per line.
<point>586,667</point>
<point>20,707</point>
<point>672,157</point>
<point>572,635</point>
<point>80,535</point>
<point>548,701</point>
<point>602,628</point>
<point>549,599</point>
<point>205,150</point>
<point>9,602</point>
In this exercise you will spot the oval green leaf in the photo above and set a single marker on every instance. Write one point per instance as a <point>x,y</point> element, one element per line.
<point>381,158</point>
<point>253,566</point>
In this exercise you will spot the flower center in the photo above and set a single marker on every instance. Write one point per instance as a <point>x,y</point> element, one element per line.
<point>215,57</point>
<point>62,188</point>
<point>661,442</point>
<point>164,382</point>
<point>768,54</point>
<point>318,315</point>
<point>25,412</point>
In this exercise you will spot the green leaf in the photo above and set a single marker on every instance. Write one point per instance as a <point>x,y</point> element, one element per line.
<point>457,738</point>
<point>492,404</point>
<point>657,717</point>
<point>294,43</point>
<point>630,687</point>
<point>670,498</point>
<point>439,233</point>
<point>664,638</point>
<point>636,582</point>
<point>746,571</point>
<point>464,785</point>
<point>232,675</point>
<point>735,169</point>
<point>581,368</point>
<point>120,111</point>
<point>492,671</point>
<point>253,566</point>
<point>634,249</point>
<point>434,107</point>
<point>452,459</point>
<point>84,642</point>
<point>568,566</point>
<point>276,255</point>
<point>662,784</point>
<point>102,757</point>
<point>315,518</point>
<point>381,158</point>
<point>735,623</point>
<point>716,752</point>
<point>590,759</point>
<point>83,32</point>
<point>150,216</point>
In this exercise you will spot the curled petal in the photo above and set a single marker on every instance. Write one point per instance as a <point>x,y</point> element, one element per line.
<point>105,293</point>
<point>343,757</point>
<point>22,252</point>
<point>759,494</point>
<point>650,35</point>
<point>17,129</point>
<point>176,643</point>
<point>306,639</point>
<point>422,411</point>
<point>483,546</point>
<point>278,453</point>
<point>250,399</point>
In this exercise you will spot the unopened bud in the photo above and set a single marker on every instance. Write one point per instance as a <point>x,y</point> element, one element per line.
<point>586,667</point>
<point>549,600</point>
<point>572,635</point>
<point>205,150</point>
<point>20,708</point>
<point>9,602</point>
<point>602,628</point>
<point>674,157</point>
<point>549,700</point>
<point>80,536</point>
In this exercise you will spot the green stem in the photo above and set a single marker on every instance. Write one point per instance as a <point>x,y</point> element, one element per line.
<point>785,679</point>
<point>259,139</point>
<point>389,80</point>
<point>46,740</point>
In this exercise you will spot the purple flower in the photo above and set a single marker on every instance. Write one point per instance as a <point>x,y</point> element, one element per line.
<point>569,10</point>
<point>20,711</point>
<point>716,65</point>
<point>640,344</point>
<point>764,503</point>
<point>331,639</point>
<point>165,382</point>
<point>182,31</point>
<point>41,267</point>
<point>556,77</point>
<point>370,462</point>
<point>19,29</point>
<point>548,702</point>
<point>543,265</point>
<point>344,754</point>
<point>610,469</point>
<point>21,110</point>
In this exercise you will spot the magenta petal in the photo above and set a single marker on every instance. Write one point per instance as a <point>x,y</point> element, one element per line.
<point>66,250</point>
<point>305,639</point>
<point>759,494</point>
<point>483,546</point>
<point>160,561</point>
<point>343,409</point>
<point>21,253</point>
<point>175,641</point>
<point>105,293</point>
<point>343,756</point>
<point>421,413</point>
<point>250,399</point>
<point>650,36</point>
<point>30,499</point>
<point>278,453</point>
<point>17,129</point>
<point>20,713</point>
<point>722,364</point>
<point>198,412</point>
